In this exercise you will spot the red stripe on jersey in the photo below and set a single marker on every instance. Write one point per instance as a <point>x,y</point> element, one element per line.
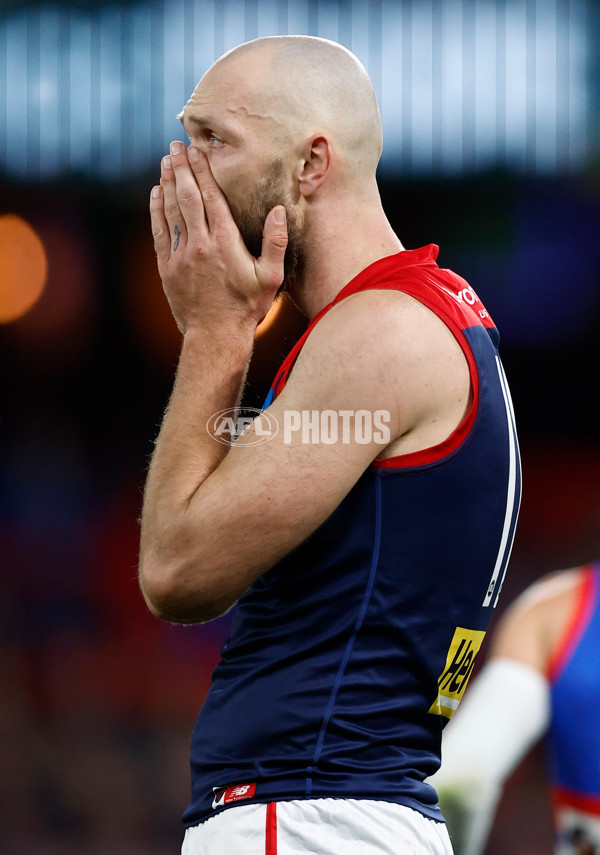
<point>576,625</point>
<point>562,798</point>
<point>271,829</point>
<point>401,260</point>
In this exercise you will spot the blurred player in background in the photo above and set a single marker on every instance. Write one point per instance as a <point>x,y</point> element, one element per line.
<point>365,541</point>
<point>542,678</point>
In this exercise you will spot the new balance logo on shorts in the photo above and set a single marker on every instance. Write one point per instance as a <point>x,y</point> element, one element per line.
<point>226,795</point>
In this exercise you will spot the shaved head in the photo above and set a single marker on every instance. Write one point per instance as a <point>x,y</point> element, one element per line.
<point>292,121</point>
<point>306,85</point>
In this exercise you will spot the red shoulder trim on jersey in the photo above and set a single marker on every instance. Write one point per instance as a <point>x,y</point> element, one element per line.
<point>392,263</point>
<point>576,625</point>
<point>584,802</point>
<point>462,311</point>
<point>271,829</point>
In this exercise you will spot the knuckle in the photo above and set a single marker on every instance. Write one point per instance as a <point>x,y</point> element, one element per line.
<point>210,194</point>
<point>187,194</point>
<point>223,239</point>
<point>272,279</point>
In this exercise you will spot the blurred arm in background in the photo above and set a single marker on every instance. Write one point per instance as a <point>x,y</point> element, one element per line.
<point>534,683</point>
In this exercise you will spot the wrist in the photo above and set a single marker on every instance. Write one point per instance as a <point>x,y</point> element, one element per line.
<point>227,342</point>
<point>233,332</point>
<point>217,359</point>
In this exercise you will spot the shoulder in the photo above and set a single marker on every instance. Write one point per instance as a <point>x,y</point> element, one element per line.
<point>383,350</point>
<point>531,628</point>
<point>384,311</point>
<point>385,332</point>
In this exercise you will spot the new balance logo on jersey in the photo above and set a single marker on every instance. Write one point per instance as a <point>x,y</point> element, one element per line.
<point>226,795</point>
<point>453,680</point>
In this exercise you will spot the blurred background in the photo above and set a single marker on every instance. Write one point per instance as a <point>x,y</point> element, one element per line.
<point>491,114</point>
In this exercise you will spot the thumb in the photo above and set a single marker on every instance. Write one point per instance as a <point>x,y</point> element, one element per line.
<point>274,244</point>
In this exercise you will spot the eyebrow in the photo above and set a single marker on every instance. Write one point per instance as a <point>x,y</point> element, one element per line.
<point>196,119</point>
<point>200,123</point>
<point>193,125</point>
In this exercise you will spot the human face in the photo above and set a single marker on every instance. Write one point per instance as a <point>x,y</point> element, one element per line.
<point>242,142</point>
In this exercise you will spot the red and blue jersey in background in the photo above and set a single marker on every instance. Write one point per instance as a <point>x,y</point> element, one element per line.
<point>346,658</point>
<point>574,733</point>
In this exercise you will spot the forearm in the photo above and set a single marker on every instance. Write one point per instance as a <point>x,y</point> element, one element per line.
<point>505,711</point>
<point>210,378</point>
<point>218,293</point>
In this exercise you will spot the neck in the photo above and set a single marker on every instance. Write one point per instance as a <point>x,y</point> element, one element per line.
<point>341,241</point>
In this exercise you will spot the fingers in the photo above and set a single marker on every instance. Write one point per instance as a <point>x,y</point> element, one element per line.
<point>187,192</point>
<point>176,205</point>
<point>160,227</point>
<point>215,204</point>
<point>269,266</point>
<point>173,214</point>
<point>193,201</point>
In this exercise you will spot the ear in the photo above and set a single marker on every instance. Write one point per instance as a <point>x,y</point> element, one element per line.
<point>315,164</point>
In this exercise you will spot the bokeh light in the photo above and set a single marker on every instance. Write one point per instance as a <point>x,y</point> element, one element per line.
<point>23,267</point>
<point>57,329</point>
<point>148,308</point>
<point>270,318</point>
<point>146,302</point>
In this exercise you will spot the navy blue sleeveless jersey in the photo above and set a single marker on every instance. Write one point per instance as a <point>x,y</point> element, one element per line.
<point>346,659</point>
<point>573,734</point>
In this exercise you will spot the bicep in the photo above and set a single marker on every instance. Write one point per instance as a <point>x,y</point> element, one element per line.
<point>272,494</point>
<point>337,413</point>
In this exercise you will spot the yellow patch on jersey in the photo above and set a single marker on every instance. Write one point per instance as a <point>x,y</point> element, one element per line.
<point>464,647</point>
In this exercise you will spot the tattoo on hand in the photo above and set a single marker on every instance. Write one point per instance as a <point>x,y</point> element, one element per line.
<point>177,231</point>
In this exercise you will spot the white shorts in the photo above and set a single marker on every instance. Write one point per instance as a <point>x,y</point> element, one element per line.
<point>318,827</point>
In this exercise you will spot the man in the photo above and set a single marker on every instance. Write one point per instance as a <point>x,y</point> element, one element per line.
<point>542,678</point>
<point>365,569</point>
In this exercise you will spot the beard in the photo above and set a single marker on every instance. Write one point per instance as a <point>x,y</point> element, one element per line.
<point>250,218</point>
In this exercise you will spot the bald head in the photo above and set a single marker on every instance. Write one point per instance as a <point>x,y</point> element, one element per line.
<point>306,85</point>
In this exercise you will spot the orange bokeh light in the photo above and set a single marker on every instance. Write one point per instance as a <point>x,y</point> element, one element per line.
<point>23,267</point>
<point>270,317</point>
<point>146,301</point>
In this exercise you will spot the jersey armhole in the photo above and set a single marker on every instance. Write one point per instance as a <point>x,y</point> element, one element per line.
<point>425,456</point>
<point>435,453</point>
